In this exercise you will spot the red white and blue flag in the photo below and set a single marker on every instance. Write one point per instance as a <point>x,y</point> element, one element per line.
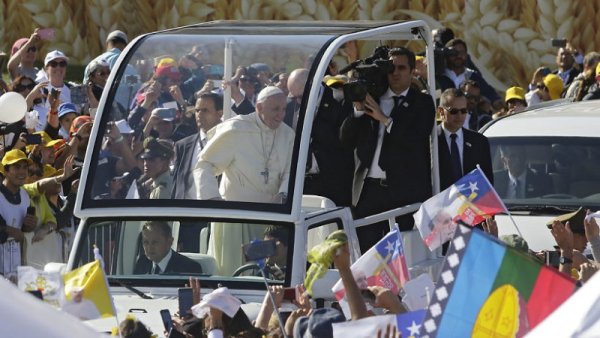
<point>469,201</point>
<point>382,265</point>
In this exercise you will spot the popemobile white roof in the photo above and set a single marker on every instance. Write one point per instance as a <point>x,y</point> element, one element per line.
<point>566,119</point>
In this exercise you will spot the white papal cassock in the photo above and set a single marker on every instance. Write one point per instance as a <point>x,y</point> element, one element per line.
<point>254,161</point>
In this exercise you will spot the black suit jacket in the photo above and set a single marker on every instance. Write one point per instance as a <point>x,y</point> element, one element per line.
<point>476,150</point>
<point>184,165</point>
<point>244,108</point>
<point>536,184</point>
<point>335,163</point>
<point>405,152</point>
<point>178,264</point>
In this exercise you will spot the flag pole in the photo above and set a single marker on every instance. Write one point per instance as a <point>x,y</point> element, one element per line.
<point>98,257</point>
<point>501,201</point>
<point>264,275</point>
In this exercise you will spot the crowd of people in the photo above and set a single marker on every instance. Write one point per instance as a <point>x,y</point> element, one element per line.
<point>167,139</point>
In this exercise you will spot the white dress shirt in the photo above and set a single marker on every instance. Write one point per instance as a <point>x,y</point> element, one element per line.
<point>457,79</point>
<point>386,103</point>
<point>460,142</point>
<point>163,262</point>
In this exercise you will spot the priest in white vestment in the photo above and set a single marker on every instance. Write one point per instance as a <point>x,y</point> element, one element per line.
<point>253,153</point>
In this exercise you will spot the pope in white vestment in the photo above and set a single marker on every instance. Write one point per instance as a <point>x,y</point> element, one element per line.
<point>253,153</point>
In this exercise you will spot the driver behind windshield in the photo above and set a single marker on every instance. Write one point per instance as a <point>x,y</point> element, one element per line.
<point>517,180</point>
<point>276,264</point>
<point>158,257</point>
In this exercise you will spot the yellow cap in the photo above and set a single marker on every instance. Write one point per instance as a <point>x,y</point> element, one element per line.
<point>167,62</point>
<point>336,80</point>
<point>50,171</point>
<point>598,69</point>
<point>419,58</point>
<point>14,156</point>
<point>555,86</point>
<point>514,93</point>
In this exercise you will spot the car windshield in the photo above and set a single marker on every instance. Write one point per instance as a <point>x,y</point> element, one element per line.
<point>168,97</point>
<point>547,171</point>
<point>155,250</point>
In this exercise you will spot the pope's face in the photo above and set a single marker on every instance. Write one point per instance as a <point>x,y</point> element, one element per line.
<point>156,245</point>
<point>272,110</point>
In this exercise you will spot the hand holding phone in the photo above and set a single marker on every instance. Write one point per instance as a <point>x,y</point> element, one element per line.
<point>54,93</point>
<point>258,250</point>
<point>185,297</point>
<point>165,314</point>
<point>33,139</point>
<point>289,294</point>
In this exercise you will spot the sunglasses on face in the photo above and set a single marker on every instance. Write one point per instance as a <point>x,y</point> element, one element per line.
<point>22,87</point>
<point>32,49</point>
<point>454,111</point>
<point>55,64</point>
<point>102,73</point>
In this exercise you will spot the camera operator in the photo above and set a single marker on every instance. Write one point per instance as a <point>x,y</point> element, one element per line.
<point>390,135</point>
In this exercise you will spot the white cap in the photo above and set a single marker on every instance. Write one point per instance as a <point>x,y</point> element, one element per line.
<point>53,55</point>
<point>267,92</point>
<point>124,127</point>
<point>117,34</point>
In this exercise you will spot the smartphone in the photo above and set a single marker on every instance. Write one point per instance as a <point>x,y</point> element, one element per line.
<point>186,301</point>
<point>168,113</point>
<point>553,258</point>
<point>258,250</point>
<point>559,42</point>
<point>33,138</point>
<point>368,296</point>
<point>55,93</point>
<point>46,33</point>
<point>165,314</point>
<point>289,293</point>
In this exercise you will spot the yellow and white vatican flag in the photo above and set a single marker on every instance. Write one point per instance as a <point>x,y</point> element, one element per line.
<point>87,293</point>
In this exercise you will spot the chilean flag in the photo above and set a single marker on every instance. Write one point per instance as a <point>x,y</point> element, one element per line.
<point>469,201</point>
<point>382,265</point>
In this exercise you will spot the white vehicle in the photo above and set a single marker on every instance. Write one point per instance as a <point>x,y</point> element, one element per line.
<point>560,145</point>
<point>114,223</point>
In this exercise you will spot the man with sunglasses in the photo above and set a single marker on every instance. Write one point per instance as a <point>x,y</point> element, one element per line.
<point>55,70</point>
<point>23,55</point>
<point>458,71</point>
<point>460,150</point>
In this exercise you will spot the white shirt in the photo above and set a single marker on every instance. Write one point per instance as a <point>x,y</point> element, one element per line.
<point>459,142</point>
<point>457,79</point>
<point>163,262</point>
<point>386,103</point>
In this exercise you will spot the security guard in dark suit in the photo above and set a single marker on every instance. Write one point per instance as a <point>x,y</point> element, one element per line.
<point>391,140</point>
